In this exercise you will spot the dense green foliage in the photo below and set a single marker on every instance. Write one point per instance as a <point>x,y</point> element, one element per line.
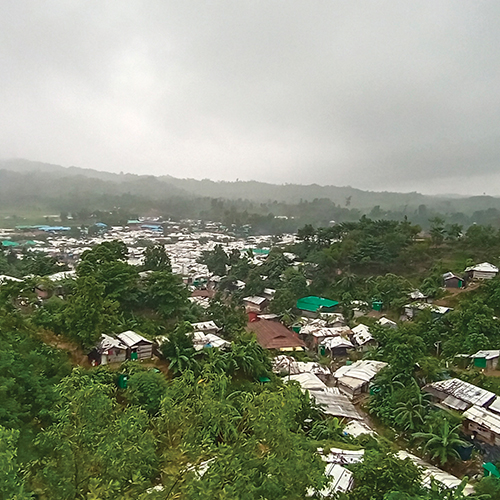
<point>203,424</point>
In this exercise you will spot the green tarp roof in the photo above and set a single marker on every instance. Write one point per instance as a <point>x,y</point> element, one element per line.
<point>8,243</point>
<point>314,304</point>
<point>491,469</point>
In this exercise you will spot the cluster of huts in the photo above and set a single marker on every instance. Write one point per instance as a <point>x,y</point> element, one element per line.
<point>480,408</point>
<point>483,271</point>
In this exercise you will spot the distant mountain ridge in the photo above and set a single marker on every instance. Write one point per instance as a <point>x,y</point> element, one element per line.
<point>260,192</point>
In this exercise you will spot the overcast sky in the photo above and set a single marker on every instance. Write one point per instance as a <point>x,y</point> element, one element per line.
<point>380,95</point>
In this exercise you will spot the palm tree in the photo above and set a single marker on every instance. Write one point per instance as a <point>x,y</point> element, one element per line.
<point>409,414</point>
<point>443,442</point>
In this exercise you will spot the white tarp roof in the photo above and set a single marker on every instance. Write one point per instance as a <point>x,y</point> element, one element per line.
<point>202,339</point>
<point>361,334</point>
<point>63,275</point>
<point>364,369</point>
<point>341,456</point>
<point>486,354</point>
<point>357,428</point>
<point>106,342</point>
<point>284,363</point>
<point>339,480</point>
<point>255,300</point>
<point>386,322</point>
<point>430,471</point>
<point>4,278</point>
<point>336,343</point>
<point>484,267</point>
<point>308,381</point>
<point>131,338</point>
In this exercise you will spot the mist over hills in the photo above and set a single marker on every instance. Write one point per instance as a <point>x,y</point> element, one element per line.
<point>44,179</point>
<point>30,190</point>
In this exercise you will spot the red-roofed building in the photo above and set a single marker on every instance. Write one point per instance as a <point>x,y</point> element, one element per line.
<point>274,335</point>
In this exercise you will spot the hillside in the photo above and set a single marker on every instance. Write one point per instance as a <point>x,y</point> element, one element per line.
<point>26,185</point>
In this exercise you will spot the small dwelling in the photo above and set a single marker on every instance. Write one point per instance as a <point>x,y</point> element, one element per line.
<point>336,346</point>
<point>362,337</point>
<point>138,347</point>
<point>482,424</point>
<point>484,271</point>
<point>455,394</point>
<point>386,322</point>
<point>255,304</point>
<point>205,327</point>
<point>354,380</point>
<point>451,280</point>
<point>108,350</point>
<point>486,359</point>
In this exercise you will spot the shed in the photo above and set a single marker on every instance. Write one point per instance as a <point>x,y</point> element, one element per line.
<point>451,280</point>
<point>138,347</point>
<point>255,304</point>
<point>383,321</point>
<point>337,346</point>
<point>458,395</point>
<point>430,472</point>
<point>483,425</point>
<point>202,340</point>
<point>109,350</point>
<point>484,271</point>
<point>308,381</point>
<point>354,379</point>
<point>205,327</point>
<point>363,337</point>
<point>340,480</point>
<point>486,359</point>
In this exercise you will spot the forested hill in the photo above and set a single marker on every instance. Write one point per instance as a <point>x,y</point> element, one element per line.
<point>159,187</point>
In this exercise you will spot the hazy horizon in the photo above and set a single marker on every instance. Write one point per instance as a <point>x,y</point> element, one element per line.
<point>384,96</point>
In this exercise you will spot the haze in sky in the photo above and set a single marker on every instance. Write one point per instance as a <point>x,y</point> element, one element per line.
<point>380,95</point>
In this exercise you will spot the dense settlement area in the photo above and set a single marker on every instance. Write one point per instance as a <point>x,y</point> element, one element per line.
<point>178,360</point>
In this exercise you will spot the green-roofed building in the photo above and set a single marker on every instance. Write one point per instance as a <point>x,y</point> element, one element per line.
<point>315,304</point>
<point>9,243</point>
<point>261,251</point>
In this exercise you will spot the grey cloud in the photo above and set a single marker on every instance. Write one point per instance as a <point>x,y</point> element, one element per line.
<point>378,95</point>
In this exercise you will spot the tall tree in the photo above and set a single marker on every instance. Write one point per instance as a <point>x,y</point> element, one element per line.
<point>156,259</point>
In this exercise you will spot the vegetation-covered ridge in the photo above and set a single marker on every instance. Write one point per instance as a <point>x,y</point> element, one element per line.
<point>218,423</point>
<point>30,190</point>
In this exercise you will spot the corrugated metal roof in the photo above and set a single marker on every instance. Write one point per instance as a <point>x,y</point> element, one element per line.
<point>131,338</point>
<point>335,404</point>
<point>430,471</point>
<point>486,354</point>
<point>484,267</point>
<point>364,369</point>
<point>274,335</point>
<point>484,418</point>
<point>464,391</point>
<point>308,381</point>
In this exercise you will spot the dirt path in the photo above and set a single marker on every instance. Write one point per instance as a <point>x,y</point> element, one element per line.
<point>76,354</point>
